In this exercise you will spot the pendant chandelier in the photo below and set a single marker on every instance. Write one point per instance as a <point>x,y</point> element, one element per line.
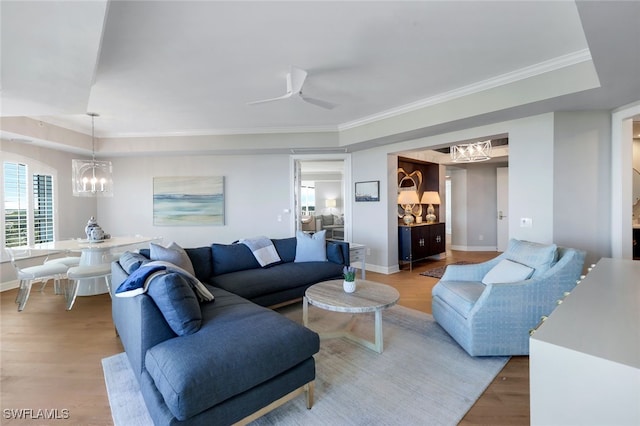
<point>92,178</point>
<point>471,152</point>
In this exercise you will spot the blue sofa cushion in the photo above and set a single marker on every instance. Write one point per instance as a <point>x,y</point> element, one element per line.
<point>286,248</point>
<point>252,283</point>
<point>202,262</point>
<point>334,253</point>
<point>311,248</point>
<point>177,302</point>
<point>460,295</point>
<point>231,258</point>
<point>540,257</point>
<point>200,259</point>
<point>131,261</point>
<point>234,333</point>
<point>172,254</point>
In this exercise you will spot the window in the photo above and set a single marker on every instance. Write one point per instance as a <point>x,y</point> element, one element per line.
<point>15,204</point>
<point>28,220</point>
<point>308,198</point>
<point>42,208</point>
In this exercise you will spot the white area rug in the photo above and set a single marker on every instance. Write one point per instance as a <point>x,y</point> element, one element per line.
<point>422,377</point>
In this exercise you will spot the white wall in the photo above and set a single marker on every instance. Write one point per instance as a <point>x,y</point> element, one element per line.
<point>459,208</point>
<point>530,183</point>
<point>329,191</point>
<point>473,209</point>
<point>531,178</point>
<point>371,220</point>
<point>257,191</point>
<point>582,182</point>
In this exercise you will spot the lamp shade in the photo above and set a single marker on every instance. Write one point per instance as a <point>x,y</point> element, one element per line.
<point>408,197</point>
<point>430,197</point>
<point>330,203</point>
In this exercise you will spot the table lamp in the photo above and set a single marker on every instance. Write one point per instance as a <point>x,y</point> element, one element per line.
<point>408,199</point>
<point>430,198</point>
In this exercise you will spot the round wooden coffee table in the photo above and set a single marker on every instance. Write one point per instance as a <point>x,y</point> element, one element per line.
<point>368,297</point>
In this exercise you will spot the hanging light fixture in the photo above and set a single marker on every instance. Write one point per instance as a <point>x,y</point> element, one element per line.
<point>471,152</point>
<point>92,178</point>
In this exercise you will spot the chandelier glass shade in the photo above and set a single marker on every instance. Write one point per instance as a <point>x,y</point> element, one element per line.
<point>92,178</point>
<point>471,152</point>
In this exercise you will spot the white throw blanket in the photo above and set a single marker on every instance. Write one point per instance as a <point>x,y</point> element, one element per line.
<point>263,250</point>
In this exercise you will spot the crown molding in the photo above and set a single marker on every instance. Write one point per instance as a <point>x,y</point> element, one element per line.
<point>554,64</point>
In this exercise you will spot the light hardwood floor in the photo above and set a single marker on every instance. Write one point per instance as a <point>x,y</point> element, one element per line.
<point>50,357</point>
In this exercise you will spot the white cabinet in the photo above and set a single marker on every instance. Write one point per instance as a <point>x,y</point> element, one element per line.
<point>357,254</point>
<point>585,358</point>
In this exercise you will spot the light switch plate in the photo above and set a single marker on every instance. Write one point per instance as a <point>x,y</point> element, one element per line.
<point>526,222</point>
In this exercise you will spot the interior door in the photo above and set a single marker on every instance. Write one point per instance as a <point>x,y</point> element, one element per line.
<point>503,207</point>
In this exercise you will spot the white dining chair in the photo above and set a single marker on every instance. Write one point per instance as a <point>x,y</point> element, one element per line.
<point>67,260</point>
<point>38,273</point>
<point>85,272</point>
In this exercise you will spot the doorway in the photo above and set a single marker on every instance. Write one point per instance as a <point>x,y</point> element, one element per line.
<point>321,191</point>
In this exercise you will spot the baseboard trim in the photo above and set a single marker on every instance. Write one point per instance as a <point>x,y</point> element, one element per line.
<point>387,270</point>
<point>9,285</point>
<point>474,248</point>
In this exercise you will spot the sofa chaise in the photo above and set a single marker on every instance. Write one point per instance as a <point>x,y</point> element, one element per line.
<point>489,308</point>
<point>242,358</point>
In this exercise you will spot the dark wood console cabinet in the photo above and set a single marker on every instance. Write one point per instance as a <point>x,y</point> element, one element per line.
<point>419,241</point>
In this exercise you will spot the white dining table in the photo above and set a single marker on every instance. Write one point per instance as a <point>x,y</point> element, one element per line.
<point>93,253</point>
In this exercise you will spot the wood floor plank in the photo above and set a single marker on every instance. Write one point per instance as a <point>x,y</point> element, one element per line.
<point>50,358</point>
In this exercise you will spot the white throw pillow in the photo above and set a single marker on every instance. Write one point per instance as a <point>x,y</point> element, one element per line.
<point>172,254</point>
<point>507,271</point>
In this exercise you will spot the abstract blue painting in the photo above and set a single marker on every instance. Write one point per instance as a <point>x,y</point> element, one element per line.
<point>188,200</point>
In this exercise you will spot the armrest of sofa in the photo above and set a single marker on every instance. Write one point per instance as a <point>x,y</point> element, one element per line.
<point>139,322</point>
<point>344,248</point>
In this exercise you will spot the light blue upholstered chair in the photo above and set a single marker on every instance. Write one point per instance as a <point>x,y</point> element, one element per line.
<point>495,318</point>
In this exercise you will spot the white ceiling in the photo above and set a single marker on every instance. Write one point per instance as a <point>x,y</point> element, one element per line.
<point>160,68</point>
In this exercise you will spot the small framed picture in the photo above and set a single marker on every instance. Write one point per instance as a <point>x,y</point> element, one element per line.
<point>368,191</point>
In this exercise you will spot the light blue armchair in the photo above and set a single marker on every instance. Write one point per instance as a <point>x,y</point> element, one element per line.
<point>495,318</point>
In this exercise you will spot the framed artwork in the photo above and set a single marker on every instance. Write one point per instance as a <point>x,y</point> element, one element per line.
<point>188,200</point>
<point>368,191</point>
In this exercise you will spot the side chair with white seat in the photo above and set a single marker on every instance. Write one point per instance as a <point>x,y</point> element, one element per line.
<point>39,273</point>
<point>68,261</point>
<point>85,272</point>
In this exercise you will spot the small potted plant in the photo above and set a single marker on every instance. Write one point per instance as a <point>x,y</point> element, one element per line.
<point>349,283</point>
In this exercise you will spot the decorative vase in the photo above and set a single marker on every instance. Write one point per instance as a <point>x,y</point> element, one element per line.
<point>349,286</point>
<point>92,223</point>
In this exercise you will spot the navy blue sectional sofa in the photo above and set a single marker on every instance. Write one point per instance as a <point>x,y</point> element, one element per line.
<point>245,356</point>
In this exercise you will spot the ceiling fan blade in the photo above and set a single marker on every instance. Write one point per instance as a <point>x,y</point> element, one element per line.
<point>279,98</point>
<point>318,102</point>
<point>295,79</point>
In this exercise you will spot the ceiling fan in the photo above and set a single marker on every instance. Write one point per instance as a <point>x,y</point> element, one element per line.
<point>295,80</point>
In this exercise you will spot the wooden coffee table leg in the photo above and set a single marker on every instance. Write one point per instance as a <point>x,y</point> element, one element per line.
<point>379,345</point>
<point>305,311</point>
